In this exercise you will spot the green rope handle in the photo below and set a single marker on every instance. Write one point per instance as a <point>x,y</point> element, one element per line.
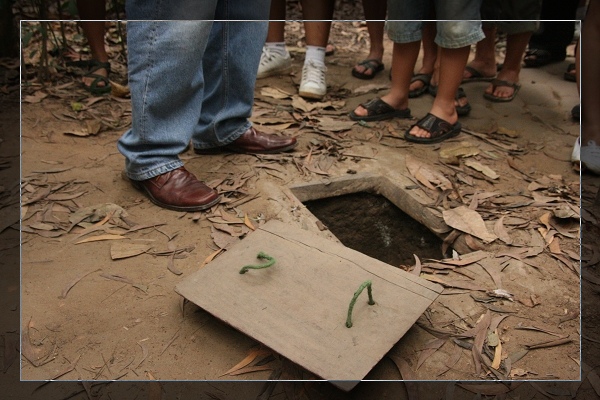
<point>365,284</point>
<point>261,256</point>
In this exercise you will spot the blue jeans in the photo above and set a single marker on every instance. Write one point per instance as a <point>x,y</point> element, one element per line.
<point>458,25</point>
<point>189,80</point>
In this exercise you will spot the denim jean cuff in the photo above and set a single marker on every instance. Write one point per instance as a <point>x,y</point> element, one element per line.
<point>229,138</point>
<point>155,171</point>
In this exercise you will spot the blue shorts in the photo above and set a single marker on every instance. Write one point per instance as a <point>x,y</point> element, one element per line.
<point>458,25</point>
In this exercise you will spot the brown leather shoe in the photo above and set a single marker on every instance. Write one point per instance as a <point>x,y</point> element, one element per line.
<point>178,190</point>
<point>255,142</point>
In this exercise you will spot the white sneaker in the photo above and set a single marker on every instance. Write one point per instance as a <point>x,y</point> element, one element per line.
<point>312,85</point>
<point>576,153</point>
<point>590,157</point>
<point>273,63</point>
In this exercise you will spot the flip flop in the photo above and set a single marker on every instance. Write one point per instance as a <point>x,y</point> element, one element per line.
<point>476,76</point>
<point>373,65</point>
<point>499,82</point>
<point>379,110</point>
<point>425,78</point>
<point>438,128</point>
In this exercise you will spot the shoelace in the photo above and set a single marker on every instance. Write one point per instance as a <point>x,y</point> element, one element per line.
<point>267,56</point>
<point>313,72</point>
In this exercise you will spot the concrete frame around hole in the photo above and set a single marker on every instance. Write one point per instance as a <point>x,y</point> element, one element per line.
<point>379,185</point>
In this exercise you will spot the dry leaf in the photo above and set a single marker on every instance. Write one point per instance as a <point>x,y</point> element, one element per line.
<point>35,98</point>
<point>451,154</point>
<point>427,175</point>
<point>507,132</point>
<point>101,238</point>
<point>501,231</point>
<point>210,257</point>
<point>118,90</point>
<point>275,93</point>
<point>248,222</point>
<point>67,288</point>
<point>372,87</point>
<point>334,125</point>
<point>122,250</point>
<point>468,221</point>
<point>487,171</point>
<point>254,353</point>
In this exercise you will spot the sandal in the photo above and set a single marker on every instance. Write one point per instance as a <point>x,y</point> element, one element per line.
<point>460,94</point>
<point>535,58</point>
<point>425,78</point>
<point>373,65</point>
<point>499,82</point>
<point>379,110</point>
<point>93,88</point>
<point>465,109</point>
<point>438,128</point>
<point>571,73</point>
<point>476,76</point>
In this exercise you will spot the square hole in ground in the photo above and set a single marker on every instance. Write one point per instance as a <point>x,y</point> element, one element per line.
<point>373,225</point>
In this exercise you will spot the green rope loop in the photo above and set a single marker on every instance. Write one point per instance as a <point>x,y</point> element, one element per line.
<point>365,284</point>
<point>261,256</point>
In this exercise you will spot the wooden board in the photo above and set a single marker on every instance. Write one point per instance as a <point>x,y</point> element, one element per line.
<point>298,307</point>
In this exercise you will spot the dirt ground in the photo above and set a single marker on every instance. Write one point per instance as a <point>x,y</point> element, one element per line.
<point>96,309</point>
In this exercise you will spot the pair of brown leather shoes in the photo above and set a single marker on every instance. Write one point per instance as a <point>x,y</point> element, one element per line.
<point>180,190</point>
<point>255,142</point>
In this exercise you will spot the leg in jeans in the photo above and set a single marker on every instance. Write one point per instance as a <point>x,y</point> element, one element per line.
<point>230,67</point>
<point>167,89</point>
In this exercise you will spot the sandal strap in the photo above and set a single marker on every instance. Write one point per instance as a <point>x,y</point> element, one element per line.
<point>96,65</point>
<point>377,106</point>
<point>425,78</point>
<point>434,125</point>
<point>500,82</point>
<point>371,63</point>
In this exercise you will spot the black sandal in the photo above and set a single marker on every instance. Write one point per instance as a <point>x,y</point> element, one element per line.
<point>438,129</point>
<point>373,65</point>
<point>379,110</point>
<point>535,58</point>
<point>425,79</point>
<point>93,88</point>
<point>460,94</point>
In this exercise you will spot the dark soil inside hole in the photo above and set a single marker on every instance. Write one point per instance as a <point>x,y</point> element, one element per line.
<point>374,226</point>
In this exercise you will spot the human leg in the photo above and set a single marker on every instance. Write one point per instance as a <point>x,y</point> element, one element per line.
<point>483,66</point>
<point>454,38</point>
<point>375,13</point>
<point>275,59</point>
<point>404,57</point>
<point>507,83</point>
<point>419,83</point>
<point>317,15</point>
<point>96,80</point>
<point>590,98</point>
